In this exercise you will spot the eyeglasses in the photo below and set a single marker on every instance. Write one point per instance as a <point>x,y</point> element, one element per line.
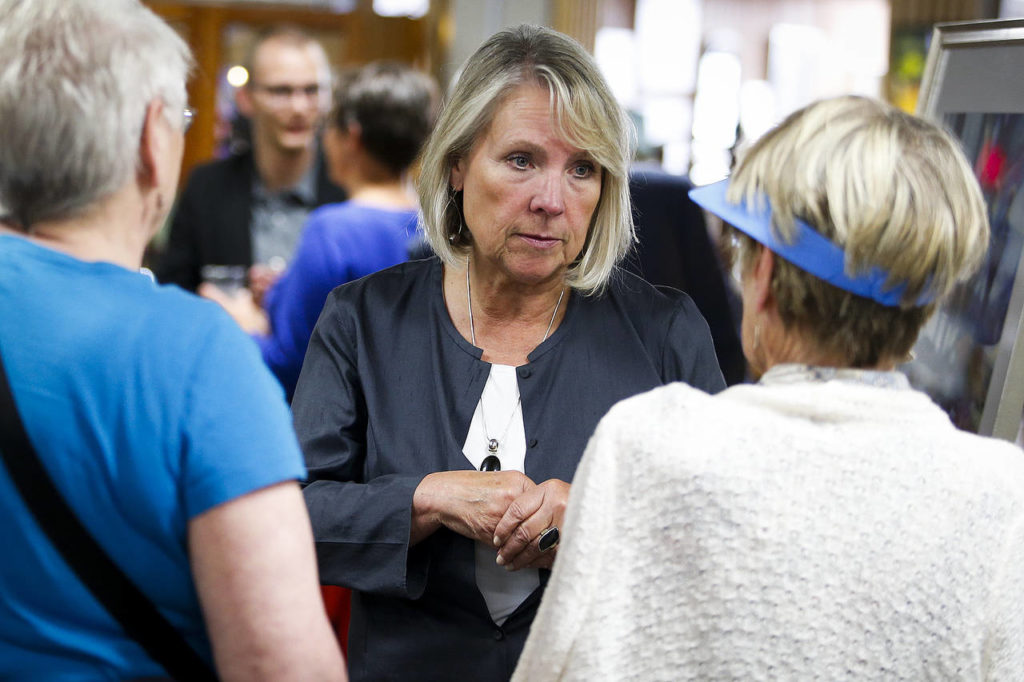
<point>187,116</point>
<point>282,94</point>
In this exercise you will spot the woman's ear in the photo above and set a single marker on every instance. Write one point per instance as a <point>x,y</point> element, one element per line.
<point>152,144</point>
<point>352,133</point>
<point>346,137</point>
<point>457,176</point>
<point>342,148</point>
<point>761,278</point>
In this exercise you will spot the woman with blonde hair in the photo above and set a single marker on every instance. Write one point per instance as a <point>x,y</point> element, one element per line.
<point>828,522</point>
<point>499,354</point>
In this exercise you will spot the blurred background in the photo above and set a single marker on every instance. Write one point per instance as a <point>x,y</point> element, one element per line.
<point>701,78</point>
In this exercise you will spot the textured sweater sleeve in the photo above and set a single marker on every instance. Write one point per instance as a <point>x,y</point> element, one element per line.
<point>577,575</point>
<point>1004,646</point>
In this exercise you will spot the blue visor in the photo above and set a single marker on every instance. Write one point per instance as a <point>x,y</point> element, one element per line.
<point>809,250</point>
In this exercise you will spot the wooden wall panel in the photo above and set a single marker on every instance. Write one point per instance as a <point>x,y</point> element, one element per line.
<point>576,18</point>
<point>917,12</point>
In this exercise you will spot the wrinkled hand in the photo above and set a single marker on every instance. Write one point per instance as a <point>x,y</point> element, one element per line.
<point>468,502</point>
<point>240,306</point>
<point>529,515</point>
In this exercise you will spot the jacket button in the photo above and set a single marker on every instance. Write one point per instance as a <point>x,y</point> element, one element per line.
<point>498,635</point>
<point>533,442</point>
<point>525,372</point>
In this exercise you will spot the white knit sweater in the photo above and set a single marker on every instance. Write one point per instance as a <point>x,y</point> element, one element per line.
<point>795,530</point>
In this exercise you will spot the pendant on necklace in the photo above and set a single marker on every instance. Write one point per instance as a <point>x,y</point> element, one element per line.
<point>492,445</point>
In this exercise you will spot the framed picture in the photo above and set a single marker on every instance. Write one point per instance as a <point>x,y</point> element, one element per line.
<point>970,356</point>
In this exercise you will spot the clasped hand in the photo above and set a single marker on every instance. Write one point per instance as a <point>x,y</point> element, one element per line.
<point>504,509</point>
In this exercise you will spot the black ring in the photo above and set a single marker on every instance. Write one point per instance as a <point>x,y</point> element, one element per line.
<point>548,539</point>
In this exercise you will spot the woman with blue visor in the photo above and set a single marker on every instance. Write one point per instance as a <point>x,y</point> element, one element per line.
<point>827,522</point>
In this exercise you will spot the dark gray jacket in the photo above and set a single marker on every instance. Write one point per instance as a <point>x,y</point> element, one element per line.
<point>386,396</point>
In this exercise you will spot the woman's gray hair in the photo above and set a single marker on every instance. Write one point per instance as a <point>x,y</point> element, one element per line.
<point>586,114</point>
<point>76,77</point>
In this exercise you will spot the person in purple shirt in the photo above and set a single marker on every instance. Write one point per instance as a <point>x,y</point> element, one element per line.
<point>382,114</point>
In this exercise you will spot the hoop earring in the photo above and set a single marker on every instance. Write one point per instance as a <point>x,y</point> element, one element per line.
<point>455,235</point>
<point>456,199</point>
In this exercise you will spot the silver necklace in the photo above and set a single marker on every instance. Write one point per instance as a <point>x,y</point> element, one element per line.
<point>494,443</point>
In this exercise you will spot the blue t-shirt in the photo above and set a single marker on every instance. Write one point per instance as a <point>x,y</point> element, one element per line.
<point>340,243</point>
<point>148,407</point>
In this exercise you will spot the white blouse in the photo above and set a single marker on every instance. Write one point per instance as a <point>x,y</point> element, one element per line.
<point>503,590</point>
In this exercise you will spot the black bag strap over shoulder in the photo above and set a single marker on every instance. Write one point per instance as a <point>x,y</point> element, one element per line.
<point>112,588</point>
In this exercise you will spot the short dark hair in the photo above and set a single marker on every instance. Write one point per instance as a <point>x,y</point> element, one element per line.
<point>394,106</point>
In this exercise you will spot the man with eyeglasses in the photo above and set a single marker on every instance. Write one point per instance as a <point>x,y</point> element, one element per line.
<point>247,211</point>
